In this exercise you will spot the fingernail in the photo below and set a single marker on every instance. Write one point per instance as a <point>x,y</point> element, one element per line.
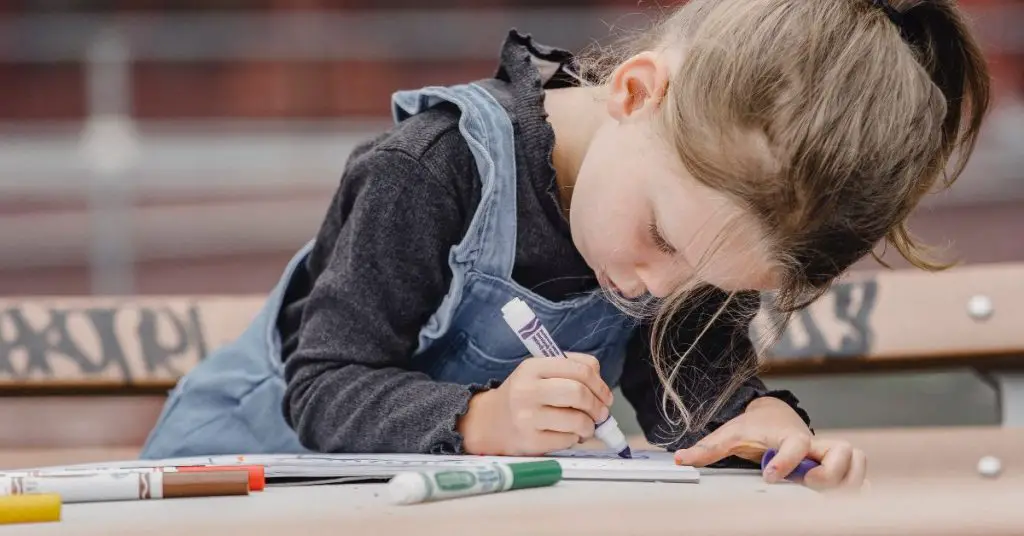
<point>771,473</point>
<point>604,413</point>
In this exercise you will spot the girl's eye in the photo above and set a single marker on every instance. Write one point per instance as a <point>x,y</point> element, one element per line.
<point>659,241</point>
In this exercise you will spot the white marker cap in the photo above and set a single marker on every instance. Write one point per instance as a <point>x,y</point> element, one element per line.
<point>990,466</point>
<point>517,313</point>
<point>407,488</point>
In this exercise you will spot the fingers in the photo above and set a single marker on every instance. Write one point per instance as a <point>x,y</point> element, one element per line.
<point>563,393</point>
<point>595,382</point>
<point>791,452</point>
<point>564,420</point>
<point>545,441</point>
<point>856,477</point>
<point>841,465</point>
<point>576,369</point>
<point>585,359</point>
<point>716,446</point>
<point>555,403</point>
<point>834,466</point>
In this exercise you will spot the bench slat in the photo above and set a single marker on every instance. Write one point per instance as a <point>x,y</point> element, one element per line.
<point>907,319</point>
<point>146,342</point>
<point>904,319</point>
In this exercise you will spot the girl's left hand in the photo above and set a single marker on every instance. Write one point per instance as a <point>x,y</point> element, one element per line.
<point>771,423</point>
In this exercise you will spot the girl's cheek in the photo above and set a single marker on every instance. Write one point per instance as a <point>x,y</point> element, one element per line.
<point>634,251</point>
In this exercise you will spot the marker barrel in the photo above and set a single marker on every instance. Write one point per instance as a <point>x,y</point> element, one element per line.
<point>210,484</point>
<point>440,484</point>
<point>127,485</point>
<point>798,474</point>
<point>257,475</point>
<point>41,508</point>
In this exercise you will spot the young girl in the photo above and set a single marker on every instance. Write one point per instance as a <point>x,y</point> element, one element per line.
<point>740,148</point>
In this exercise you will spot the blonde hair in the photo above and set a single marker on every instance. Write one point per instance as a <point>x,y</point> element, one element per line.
<point>855,114</point>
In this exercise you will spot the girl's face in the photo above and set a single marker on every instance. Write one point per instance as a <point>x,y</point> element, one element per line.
<point>641,221</point>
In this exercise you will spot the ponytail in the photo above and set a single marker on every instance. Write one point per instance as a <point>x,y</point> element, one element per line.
<point>944,46</point>
<point>937,32</point>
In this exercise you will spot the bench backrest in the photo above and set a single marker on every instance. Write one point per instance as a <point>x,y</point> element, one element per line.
<point>908,319</point>
<point>898,319</point>
<point>144,342</point>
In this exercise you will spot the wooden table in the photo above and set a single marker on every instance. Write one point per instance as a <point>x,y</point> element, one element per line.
<point>722,505</point>
<point>924,482</point>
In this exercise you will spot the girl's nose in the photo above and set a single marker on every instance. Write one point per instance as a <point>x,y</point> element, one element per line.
<point>660,278</point>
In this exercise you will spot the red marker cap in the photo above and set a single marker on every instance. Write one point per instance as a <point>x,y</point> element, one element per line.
<point>257,478</point>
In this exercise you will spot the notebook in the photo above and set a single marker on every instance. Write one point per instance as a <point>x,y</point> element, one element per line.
<point>577,464</point>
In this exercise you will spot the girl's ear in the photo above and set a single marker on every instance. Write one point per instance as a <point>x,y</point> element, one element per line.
<point>637,86</point>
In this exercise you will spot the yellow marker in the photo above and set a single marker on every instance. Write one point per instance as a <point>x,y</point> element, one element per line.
<point>38,508</point>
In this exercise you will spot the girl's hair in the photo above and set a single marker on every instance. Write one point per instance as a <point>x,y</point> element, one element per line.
<point>827,120</point>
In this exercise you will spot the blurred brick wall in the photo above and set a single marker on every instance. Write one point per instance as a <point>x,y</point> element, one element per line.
<point>339,90</point>
<point>291,89</point>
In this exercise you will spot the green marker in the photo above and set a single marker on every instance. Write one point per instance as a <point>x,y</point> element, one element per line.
<point>439,484</point>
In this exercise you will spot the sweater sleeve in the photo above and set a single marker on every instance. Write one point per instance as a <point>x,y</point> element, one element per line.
<point>718,355</point>
<point>379,271</point>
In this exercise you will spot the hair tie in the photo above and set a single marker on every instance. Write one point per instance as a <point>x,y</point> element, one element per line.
<point>895,16</point>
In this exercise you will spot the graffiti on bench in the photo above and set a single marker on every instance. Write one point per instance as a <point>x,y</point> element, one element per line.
<point>118,343</point>
<point>154,341</point>
<point>836,325</point>
<point>82,342</point>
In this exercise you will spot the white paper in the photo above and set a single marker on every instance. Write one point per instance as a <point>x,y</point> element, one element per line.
<point>577,464</point>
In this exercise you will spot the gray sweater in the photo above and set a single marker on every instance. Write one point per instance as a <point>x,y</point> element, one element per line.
<point>379,270</point>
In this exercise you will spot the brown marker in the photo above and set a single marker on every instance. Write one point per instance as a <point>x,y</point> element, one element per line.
<point>206,484</point>
<point>128,485</point>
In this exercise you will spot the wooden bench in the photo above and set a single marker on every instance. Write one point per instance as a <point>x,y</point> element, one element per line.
<point>75,359</point>
<point>907,320</point>
<point>92,372</point>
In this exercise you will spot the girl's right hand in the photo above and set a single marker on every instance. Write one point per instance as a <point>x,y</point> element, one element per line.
<point>546,404</point>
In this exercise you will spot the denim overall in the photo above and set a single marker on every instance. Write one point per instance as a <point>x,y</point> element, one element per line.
<point>231,403</point>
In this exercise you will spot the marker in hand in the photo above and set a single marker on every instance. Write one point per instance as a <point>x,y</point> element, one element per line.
<point>801,469</point>
<point>539,343</point>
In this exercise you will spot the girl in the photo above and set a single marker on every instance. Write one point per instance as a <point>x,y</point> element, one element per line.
<point>740,148</point>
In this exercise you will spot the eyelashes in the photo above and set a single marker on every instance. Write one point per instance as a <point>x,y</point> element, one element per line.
<point>659,241</point>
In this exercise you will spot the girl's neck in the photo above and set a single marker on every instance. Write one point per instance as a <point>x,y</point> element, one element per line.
<point>575,114</point>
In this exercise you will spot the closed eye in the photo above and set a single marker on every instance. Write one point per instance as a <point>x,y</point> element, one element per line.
<point>659,240</point>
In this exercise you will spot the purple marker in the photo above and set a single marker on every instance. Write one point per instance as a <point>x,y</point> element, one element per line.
<point>801,469</point>
<point>539,343</point>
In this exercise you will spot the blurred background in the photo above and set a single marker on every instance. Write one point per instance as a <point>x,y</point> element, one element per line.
<point>184,147</point>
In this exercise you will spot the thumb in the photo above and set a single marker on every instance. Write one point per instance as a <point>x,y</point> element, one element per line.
<point>716,446</point>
